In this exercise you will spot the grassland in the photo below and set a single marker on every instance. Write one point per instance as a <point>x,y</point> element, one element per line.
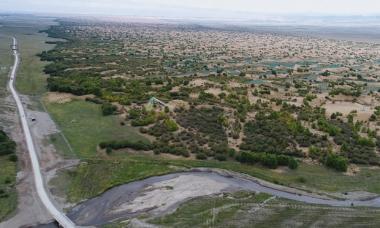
<point>210,211</point>
<point>61,145</point>
<point>84,126</point>
<point>7,181</point>
<point>30,78</point>
<point>8,168</point>
<point>307,176</point>
<point>5,60</point>
<point>242,210</point>
<point>95,176</point>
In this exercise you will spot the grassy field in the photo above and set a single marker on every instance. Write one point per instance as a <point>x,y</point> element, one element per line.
<point>95,176</point>
<point>8,201</point>
<point>85,127</point>
<point>61,145</point>
<point>5,60</point>
<point>286,213</point>
<point>87,181</point>
<point>30,78</point>
<point>241,210</point>
<point>211,211</point>
<point>309,177</point>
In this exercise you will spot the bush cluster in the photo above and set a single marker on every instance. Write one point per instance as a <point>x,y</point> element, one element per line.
<point>139,145</point>
<point>108,109</point>
<point>7,146</point>
<point>141,117</point>
<point>269,160</point>
<point>357,149</point>
<point>206,122</point>
<point>277,133</point>
<point>171,149</point>
<point>336,162</point>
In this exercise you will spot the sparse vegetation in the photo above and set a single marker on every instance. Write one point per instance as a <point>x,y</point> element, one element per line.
<point>8,195</point>
<point>246,110</point>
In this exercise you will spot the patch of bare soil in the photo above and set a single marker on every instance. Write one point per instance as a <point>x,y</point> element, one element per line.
<point>281,170</point>
<point>173,104</point>
<point>214,91</point>
<point>363,112</point>
<point>236,85</point>
<point>61,98</point>
<point>165,194</point>
<point>194,95</point>
<point>352,170</point>
<point>199,82</point>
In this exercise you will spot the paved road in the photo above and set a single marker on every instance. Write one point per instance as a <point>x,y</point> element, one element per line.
<point>42,193</point>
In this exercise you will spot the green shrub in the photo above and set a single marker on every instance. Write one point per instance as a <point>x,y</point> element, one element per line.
<point>301,179</point>
<point>134,113</point>
<point>108,150</point>
<point>7,146</point>
<point>336,162</point>
<point>170,125</point>
<point>220,157</point>
<point>277,133</point>
<point>293,164</point>
<point>115,145</point>
<point>248,157</point>
<point>315,152</point>
<point>201,156</point>
<point>108,109</point>
<point>144,121</point>
<point>141,117</point>
<point>13,158</point>
<point>283,160</point>
<point>171,149</point>
<point>269,160</point>
<point>231,152</point>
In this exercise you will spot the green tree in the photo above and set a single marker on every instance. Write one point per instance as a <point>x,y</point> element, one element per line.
<point>170,125</point>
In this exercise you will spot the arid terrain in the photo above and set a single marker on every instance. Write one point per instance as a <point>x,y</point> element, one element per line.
<point>113,103</point>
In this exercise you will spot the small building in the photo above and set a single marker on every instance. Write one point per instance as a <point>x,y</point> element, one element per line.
<point>153,101</point>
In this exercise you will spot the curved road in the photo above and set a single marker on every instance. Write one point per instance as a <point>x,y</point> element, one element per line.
<point>62,219</point>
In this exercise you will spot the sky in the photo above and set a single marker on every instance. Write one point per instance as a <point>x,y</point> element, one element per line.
<point>194,8</point>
